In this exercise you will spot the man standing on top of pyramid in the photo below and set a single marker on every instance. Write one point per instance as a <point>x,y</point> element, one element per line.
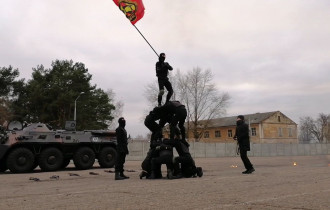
<point>163,81</point>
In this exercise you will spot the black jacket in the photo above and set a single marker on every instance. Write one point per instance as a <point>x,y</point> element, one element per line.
<point>157,114</point>
<point>169,108</point>
<point>162,69</point>
<point>121,135</point>
<point>242,135</point>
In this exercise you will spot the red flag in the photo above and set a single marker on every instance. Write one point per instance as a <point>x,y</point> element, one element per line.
<point>133,9</point>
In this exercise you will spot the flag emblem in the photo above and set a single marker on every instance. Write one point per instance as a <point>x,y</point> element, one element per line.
<point>129,9</point>
<point>133,9</point>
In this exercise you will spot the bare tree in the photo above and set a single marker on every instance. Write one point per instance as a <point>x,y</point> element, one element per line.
<point>200,96</point>
<point>202,99</point>
<point>118,110</point>
<point>151,94</point>
<point>327,130</point>
<point>315,130</point>
<point>306,127</point>
<point>322,123</point>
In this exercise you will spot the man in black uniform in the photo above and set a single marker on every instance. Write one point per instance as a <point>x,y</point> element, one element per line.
<point>146,164</point>
<point>179,113</point>
<point>163,81</point>
<point>122,150</point>
<point>155,140</point>
<point>188,167</point>
<point>243,140</point>
<point>153,126</point>
<point>156,135</point>
<point>165,156</point>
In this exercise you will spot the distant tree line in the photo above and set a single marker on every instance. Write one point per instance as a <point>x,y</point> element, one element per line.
<point>49,97</point>
<point>315,130</point>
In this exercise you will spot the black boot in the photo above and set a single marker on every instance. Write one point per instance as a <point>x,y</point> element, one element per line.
<point>123,175</point>
<point>118,177</point>
<point>248,171</point>
<point>199,171</point>
<point>152,175</point>
<point>170,174</point>
<point>144,174</point>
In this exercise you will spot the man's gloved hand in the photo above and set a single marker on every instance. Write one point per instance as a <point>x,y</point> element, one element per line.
<point>168,66</point>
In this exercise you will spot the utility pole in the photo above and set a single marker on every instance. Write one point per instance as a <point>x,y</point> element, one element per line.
<point>75,106</point>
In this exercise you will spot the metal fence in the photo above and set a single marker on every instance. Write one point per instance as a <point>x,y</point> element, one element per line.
<point>138,150</point>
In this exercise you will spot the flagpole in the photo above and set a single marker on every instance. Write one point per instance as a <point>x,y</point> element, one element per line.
<point>146,40</point>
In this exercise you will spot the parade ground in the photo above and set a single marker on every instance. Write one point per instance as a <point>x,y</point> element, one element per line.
<point>286,182</point>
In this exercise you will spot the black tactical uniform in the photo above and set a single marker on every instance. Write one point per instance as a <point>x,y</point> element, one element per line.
<point>156,137</point>
<point>179,113</point>
<point>146,164</point>
<point>153,126</point>
<point>122,149</point>
<point>165,156</point>
<point>243,139</point>
<point>162,69</point>
<point>188,167</point>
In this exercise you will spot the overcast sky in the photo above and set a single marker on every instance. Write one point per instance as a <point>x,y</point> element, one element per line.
<point>268,55</point>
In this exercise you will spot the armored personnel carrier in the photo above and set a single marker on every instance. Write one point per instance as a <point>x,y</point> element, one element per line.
<point>24,149</point>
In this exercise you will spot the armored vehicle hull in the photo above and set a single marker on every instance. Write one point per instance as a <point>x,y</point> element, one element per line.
<point>37,145</point>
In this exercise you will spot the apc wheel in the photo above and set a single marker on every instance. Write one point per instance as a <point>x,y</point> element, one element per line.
<point>3,166</point>
<point>107,157</point>
<point>84,158</point>
<point>50,159</point>
<point>20,160</point>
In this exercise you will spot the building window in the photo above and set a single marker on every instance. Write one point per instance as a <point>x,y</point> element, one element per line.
<point>279,118</point>
<point>230,133</point>
<point>280,133</point>
<point>253,131</point>
<point>206,134</point>
<point>217,134</point>
<point>290,132</point>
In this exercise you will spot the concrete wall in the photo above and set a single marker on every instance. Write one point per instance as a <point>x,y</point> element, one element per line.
<point>139,150</point>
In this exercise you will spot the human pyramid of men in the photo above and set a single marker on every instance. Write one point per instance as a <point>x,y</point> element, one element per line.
<point>161,149</point>
<point>172,112</point>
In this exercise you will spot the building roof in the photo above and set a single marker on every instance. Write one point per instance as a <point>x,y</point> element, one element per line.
<point>231,121</point>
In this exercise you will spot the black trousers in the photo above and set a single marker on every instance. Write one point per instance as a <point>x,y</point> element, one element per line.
<point>120,160</point>
<point>165,83</point>
<point>158,161</point>
<point>245,159</point>
<point>146,164</point>
<point>188,167</point>
<point>178,118</point>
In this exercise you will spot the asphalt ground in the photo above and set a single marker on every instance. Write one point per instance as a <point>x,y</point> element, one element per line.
<point>298,182</point>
